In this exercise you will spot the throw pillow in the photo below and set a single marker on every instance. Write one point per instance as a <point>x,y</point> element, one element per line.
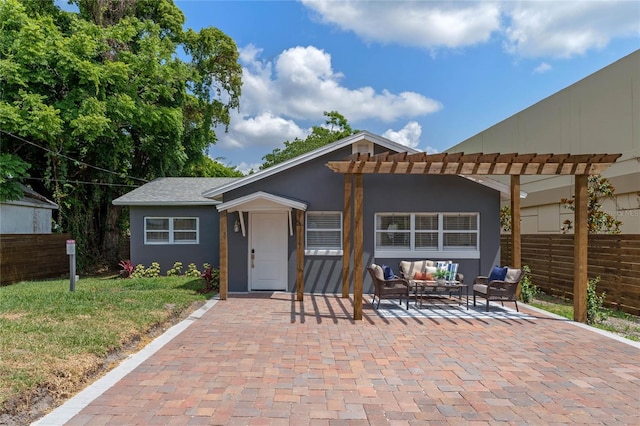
<point>498,273</point>
<point>428,276</point>
<point>511,275</point>
<point>388,272</point>
<point>420,276</point>
<point>377,271</point>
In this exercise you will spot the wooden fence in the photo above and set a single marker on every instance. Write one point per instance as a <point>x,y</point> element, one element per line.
<point>614,258</point>
<point>32,256</point>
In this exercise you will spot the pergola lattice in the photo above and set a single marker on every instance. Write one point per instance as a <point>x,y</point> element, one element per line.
<point>515,165</point>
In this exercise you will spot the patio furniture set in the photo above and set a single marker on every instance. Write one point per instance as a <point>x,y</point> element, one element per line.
<point>428,278</point>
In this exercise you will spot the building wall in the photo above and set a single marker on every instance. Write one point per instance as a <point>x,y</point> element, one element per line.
<point>16,219</point>
<point>323,190</point>
<point>599,114</point>
<point>206,251</point>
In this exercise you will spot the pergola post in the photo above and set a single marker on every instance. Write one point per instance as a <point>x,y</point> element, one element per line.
<point>224,256</point>
<point>300,255</point>
<point>346,236</point>
<point>580,242</point>
<point>358,235</point>
<point>516,238</point>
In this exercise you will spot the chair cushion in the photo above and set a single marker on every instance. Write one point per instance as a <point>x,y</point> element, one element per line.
<point>512,275</point>
<point>498,273</point>
<point>480,288</point>
<point>377,271</point>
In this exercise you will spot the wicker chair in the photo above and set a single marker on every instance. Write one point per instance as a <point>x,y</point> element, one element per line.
<point>388,289</point>
<point>499,290</point>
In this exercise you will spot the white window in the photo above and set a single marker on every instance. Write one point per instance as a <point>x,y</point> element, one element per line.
<point>414,235</point>
<point>171,230</point>
<point>324,233</point>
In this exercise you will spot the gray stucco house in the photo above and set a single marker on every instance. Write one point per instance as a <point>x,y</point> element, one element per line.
<point>405,217</point>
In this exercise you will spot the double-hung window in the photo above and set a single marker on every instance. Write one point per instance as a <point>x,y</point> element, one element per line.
<point>415,234</point>
<point>323,233</point>
<point>171,230</point>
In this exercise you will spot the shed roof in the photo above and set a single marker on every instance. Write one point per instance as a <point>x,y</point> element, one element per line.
<point>32,199</point>
<point>173,191</point>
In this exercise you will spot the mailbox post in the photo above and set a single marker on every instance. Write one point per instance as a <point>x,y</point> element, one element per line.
<point>71,251</point>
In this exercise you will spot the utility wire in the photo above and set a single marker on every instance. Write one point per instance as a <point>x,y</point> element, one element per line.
<point>69,158</point>
<point>83,182</point>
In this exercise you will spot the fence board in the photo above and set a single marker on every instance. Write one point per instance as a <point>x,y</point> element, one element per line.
<point>614,258</point>
<point>25,257</point>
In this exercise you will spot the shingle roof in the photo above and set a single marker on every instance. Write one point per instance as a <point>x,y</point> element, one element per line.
<point>173,191</point>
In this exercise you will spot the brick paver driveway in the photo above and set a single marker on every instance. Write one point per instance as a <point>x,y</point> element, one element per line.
<point>268,360</point>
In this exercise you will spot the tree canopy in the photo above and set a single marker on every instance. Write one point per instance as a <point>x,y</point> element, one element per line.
<point>336,127</point>
<point>101,100</point>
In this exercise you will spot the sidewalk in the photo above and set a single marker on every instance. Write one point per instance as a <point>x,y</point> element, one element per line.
<point>268,360</point>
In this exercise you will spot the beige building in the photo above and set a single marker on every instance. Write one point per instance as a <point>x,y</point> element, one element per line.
<point>598,114</point>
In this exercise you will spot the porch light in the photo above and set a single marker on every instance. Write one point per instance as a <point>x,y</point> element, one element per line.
<point>236,226</point>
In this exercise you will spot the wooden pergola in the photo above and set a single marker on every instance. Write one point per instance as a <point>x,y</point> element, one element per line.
<point>515,165</point>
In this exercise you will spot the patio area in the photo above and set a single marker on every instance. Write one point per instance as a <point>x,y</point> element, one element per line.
<point>267,359</point>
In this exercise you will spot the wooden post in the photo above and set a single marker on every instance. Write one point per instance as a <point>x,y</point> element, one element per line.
<point>580,241</point>
<point>300,254</point>
<point>358,235</point>
<point>516,238</point>
<point>346,235</point>
<point>224,256</point>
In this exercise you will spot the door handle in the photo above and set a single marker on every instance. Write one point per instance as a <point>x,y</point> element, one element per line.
<point>253,258</point>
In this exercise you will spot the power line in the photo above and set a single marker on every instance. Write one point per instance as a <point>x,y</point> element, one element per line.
<point>83,182</point>
<point>71,159</point>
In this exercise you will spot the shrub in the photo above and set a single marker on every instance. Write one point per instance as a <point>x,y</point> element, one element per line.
<point>595,312</point>
<point>528,290</point>
<point>211,278</point>
<point>192,271</point>
<point>176,270</point>
<point>153,270</point>
<point>127,268</point>
<point>138,272</point>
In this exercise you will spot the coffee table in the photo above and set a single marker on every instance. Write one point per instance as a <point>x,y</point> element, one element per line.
<point>422,288</point>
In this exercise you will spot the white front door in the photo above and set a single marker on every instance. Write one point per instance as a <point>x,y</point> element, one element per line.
<point>268,251</point>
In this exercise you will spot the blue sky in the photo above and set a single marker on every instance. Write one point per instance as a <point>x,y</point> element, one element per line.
<point>426,74</point>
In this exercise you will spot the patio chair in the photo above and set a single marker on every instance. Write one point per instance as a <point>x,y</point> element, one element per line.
<point>388,289</point>
<point>498,287</point>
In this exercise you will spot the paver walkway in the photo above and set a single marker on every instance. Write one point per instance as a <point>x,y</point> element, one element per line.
<point>269,360</point>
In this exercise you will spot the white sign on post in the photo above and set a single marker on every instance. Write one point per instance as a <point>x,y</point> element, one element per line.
<point>71,246</point>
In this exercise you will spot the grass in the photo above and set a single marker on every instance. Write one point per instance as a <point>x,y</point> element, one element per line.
<point>617,322</point>
<point>54,339</point>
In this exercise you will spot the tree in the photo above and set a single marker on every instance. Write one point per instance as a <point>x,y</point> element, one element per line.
<point>12,172</point>
<point>599,221</point>
<point>336,127</point>
<point>101,100</point>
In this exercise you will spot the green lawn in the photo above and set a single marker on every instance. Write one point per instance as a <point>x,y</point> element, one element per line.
<point>52,338</point>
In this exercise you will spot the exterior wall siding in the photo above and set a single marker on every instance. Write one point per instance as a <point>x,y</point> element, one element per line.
<point>206,251</point>
<point>17,219</point>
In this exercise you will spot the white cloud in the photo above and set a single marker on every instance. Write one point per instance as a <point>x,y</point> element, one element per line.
<point>409,135</point>
<point>568,28</point>
<point>426,24</point>
<point>528,28</point>
<point>542,68</point>
<point>299,86</point>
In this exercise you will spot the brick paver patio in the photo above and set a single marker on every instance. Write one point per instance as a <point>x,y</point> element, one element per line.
<point>268,360</point>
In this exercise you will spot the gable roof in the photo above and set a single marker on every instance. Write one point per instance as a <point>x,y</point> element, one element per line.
<point>339,144</point>
<point>31,198</point>
<point>286,165</point>
<point>261,201</point>
<point>173,191</point>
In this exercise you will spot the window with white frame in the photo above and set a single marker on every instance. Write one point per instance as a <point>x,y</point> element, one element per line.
<point>323,233</point>
<point>413,234</point>
<point>171,230</point>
